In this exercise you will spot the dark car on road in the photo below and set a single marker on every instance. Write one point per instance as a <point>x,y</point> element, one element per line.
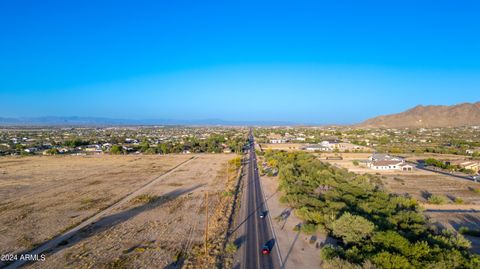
<point>266,249</point>
<point>262,214</point>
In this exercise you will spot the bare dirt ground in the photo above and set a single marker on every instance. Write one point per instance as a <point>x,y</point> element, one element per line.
<point>296,249</point>
<point>42,196</point>
<point>46,195</point>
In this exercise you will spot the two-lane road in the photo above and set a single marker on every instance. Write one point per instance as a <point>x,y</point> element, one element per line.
<point>257,230</point>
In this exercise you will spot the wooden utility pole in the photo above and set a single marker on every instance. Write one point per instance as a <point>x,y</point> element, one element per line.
<point>206,223</point>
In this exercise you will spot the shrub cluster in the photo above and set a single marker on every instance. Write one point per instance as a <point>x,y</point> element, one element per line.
<point>370,225</point>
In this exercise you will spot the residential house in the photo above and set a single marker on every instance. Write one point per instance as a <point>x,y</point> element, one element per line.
<point>316,147</point>
<point>466,164</point>
<point>387,162</point>
<point>278,141</point>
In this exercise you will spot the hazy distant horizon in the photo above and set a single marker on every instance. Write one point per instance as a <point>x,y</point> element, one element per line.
<point>92,121</point>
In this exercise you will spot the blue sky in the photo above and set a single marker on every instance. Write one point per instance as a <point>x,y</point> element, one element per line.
<point>299,61</point>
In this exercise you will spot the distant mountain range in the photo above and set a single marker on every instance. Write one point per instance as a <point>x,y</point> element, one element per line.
<point>466,114</point>
<point>94,121</point>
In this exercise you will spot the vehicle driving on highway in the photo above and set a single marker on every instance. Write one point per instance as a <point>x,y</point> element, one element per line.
<point>266,249</point>
<point>263,214</point>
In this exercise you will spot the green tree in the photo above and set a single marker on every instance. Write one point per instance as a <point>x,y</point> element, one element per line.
<point>116,149</point>
<point>391,261</point>
<point>351,228</point>
<point>75,143</point>
<point>163,148</point>
<point>144,146</point>
<point>437,199</point>
<point>52,151</point>
<point>231,248</point>
<point>19,147</point>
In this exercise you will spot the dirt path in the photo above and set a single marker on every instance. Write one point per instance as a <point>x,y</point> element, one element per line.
<point>51,244</point>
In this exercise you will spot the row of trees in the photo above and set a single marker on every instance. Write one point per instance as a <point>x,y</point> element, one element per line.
<point>370,225</point>
<point>214,144</point>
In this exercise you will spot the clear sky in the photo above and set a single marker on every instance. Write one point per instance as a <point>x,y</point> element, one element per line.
<point>299,61</point>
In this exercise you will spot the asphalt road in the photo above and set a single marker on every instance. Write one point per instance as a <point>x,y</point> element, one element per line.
<point>257,230</point>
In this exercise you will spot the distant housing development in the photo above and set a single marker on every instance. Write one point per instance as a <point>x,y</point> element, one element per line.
<point>333,145</point>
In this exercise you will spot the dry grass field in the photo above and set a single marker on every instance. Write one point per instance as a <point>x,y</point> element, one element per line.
<point>45,196</point>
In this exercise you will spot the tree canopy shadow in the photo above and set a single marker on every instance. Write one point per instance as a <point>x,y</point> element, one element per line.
<point>240,240</point>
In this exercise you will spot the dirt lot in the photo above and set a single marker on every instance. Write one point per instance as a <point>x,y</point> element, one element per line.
<point>47,195</point>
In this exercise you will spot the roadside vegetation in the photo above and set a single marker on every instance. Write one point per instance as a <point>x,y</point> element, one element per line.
<point>371,226</point>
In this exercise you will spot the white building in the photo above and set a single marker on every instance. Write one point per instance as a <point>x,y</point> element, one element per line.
<point>387,162</point>
<point>316,147</point>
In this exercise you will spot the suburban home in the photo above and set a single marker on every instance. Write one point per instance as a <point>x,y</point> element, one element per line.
<point>93,148</point>
<point>331,144</point>
<point>384,157</point>
<point>386,162</point>
<point>470,165</point>
<point>316,148</point>
<point>30,150</point>
<point>63,150</point>
<point>278,141</point>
